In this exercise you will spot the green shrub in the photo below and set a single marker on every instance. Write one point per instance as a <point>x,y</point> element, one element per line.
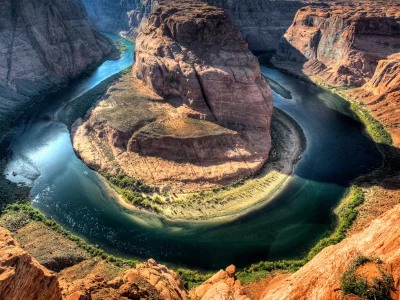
<point>378,289</point>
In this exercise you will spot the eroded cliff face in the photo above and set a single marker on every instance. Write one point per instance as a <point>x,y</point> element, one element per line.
<point>340,44</point>
<point>123,17</point>
<point>197,112</point>
<point>381,95</point>
<point>21,276</point>
<point>261,23</point>
<point>43,45</point>
<point>321,277</point>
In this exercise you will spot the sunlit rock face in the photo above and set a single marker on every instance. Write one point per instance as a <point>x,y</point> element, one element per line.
<point>21,276</point>
<point>340,43</point>
<point>197,112</point>
<point>43,44</point>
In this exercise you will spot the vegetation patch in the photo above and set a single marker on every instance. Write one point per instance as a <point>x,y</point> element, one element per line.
<point>373,126</point>
<point>79,106</point>
<point>191,279</point>
<point>346,213</point>
<point>378,288</point>
<point>12,220</point>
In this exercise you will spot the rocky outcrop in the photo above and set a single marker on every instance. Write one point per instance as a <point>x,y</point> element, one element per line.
<point>340,44</point>
<point>381,95</point>
<point>220,286</point>
<point>198,113</point>
<point>147,281</point>
<point>43,45</point>
<point>321,277</point>
<point>21,276</point>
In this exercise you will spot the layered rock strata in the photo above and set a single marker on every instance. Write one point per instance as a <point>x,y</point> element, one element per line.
<point>340,44</point>
<point>120,17</point>
<point>261,23</point>
<point>43,45</point>
<point>198,113</point>
<point>381,95</point>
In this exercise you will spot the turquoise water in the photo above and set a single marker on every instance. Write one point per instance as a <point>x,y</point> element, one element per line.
<point>338,151</point>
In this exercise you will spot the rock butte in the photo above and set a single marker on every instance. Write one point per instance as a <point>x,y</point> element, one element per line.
<point>43,45</point>
<point>197,112</point>
<point>340,44</point>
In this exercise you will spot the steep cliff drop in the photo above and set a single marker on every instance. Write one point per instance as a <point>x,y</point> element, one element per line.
<point>120,17</point>
<point>349,46</point>
<point>43,45</point>
<point>340,44</point>
<point>197,112</point>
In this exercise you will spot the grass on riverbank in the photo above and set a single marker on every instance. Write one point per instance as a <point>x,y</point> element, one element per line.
<point>374,128</point>
<point>11,218</point>
<point>346,213</point>
<point>79,106</point>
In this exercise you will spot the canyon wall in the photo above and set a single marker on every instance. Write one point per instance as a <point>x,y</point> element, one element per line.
<point>123,16</point>
<point>43,45</point>
<point>261,22</point>
<point>340,44</point>
<point>197,112</point>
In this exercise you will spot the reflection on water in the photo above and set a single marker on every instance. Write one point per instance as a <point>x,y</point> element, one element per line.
<point>338,151</point>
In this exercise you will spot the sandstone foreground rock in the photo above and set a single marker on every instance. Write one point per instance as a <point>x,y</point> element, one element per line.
<point>21,276</point>
<point>197,112</point>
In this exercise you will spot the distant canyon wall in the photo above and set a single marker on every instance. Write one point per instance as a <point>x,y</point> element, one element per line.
<point>340,43</point>
<point>43,45</point>
<point>261,22</point>
<point>348,45</point>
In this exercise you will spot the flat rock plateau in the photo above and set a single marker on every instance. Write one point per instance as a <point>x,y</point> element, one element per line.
<point>195,114</point>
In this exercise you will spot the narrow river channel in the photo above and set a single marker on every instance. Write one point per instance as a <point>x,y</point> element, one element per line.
<point>338,150</point>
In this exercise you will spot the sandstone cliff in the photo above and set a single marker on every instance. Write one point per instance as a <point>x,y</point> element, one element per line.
<point>262,23</point>
<point>340,44</point>
<point>381,95</point>
<point>43,45</point>
<point>21,276</point>
<point>321,277</point>
<point>198,112</point>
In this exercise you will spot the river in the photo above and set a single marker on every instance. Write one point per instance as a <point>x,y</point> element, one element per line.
<point>338,150</point>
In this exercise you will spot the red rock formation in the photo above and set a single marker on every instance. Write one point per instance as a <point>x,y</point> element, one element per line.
<point>21,276</point>
<point>340,43</point>
<point>147,281</point>
<point>221,286</point>
<point>204,118</point>
<point>320,278</point>
<point>381,95</point>
<point>194,53</point>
